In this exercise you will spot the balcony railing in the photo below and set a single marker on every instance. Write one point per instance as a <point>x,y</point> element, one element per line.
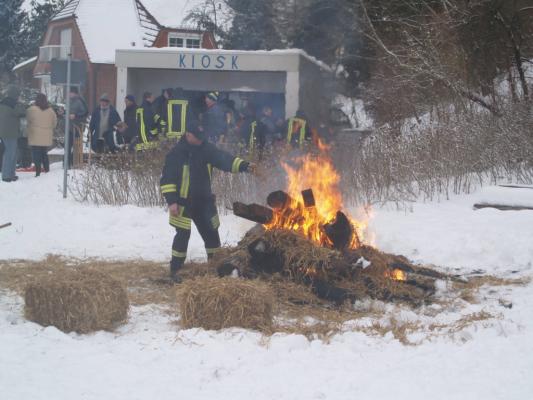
<point>48,53</point>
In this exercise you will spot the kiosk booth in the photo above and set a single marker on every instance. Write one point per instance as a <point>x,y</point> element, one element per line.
<point>286,80</point>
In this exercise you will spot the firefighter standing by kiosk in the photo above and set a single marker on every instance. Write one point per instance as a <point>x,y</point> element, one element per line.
<point>171,113</point>
<point>147,121</point>
<point>186,186</point>
<point>161,110</point>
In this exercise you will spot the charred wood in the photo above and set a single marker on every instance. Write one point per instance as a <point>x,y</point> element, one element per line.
<point>265,258</point>
<point>253,212</point>
<point>326,291</point>
<point>340,231</point>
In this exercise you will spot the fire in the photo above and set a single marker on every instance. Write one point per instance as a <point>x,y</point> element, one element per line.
<point>396,274</point>
<point>316,172</point>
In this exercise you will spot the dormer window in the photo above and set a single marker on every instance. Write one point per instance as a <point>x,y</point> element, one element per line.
<point>175,41</point>
<point>190,41</point>
<point>193,43</point>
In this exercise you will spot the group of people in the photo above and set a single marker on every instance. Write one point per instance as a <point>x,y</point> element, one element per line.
<point>167,115</point>
<point>142,126</point>
<point>41,122</point>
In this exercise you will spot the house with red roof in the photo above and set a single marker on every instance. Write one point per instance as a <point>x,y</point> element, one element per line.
<point>95,29</point>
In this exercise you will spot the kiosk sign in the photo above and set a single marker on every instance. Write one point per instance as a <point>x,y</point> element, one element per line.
<point>208,62</point>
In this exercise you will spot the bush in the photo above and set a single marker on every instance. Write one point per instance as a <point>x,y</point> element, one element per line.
<point>450,154</point>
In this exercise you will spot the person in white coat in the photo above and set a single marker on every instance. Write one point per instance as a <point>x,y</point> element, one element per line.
<point>41,120</point>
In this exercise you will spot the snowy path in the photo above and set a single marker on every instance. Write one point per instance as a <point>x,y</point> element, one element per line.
<point>149,359</point>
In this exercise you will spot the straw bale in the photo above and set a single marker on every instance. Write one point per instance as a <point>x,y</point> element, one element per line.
<point>218,303</point>
<point>77,301</point>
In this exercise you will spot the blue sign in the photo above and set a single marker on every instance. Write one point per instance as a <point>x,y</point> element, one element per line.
<point>206,61</point>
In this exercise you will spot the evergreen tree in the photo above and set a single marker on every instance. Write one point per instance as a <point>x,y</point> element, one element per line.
<point>253,26</point>
<point>12,26</point>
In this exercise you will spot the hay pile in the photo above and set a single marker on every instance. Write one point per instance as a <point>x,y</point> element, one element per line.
<point>77,301</point>
<point>336,276</point>
<point>213,303</point>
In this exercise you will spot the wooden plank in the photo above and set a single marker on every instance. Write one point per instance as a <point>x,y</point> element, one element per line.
<point>501,207</point>
<point>309,198</point>
<point>516,186</point>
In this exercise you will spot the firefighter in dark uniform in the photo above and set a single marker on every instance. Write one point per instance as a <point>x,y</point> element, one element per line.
<point>177,113</point>
<point>147,122</point>
<point>161,109</point>
<point>186,186</point>
<point>297,130</point>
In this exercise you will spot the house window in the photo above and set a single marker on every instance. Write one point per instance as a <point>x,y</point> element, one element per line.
<point>188,40</point>
<point>193,43</point>
<point>175,41</point>
<point>65,40</point>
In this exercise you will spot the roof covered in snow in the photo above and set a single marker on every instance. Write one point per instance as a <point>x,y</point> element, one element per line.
<point>109,25</point>
<point>173,13</point>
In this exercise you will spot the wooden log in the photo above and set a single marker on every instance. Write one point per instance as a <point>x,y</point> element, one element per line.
<point>279,200</point>
<point>253,212</point>
<point>340,231</point>
<point>5,225</point>
<point>309,198</point>
<point>501,207</point>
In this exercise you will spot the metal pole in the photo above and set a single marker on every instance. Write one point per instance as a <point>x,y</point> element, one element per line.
<point>66,157</point>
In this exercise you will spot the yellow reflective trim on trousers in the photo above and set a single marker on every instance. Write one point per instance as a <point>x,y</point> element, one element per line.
<point>180,222</point>
<point>236,165</point>
<point>179,254</point>
<point>212,250</point>
<point>302,133</point>
<point>215,222</point>
<point>303,124</point>
<point>140,122</point>
<point>170,115</point>
<point>251,143</point>
<point>185,178</point>
<point>169,188</point>
<point>210,170</point>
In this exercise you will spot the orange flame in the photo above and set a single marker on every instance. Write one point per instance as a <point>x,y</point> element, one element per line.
<point>396,274</point>
<point>316,172</point>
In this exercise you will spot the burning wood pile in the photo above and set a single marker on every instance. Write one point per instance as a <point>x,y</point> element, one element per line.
<point>304,236</point>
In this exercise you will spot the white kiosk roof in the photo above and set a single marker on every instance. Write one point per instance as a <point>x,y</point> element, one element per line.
<point>218,59</point>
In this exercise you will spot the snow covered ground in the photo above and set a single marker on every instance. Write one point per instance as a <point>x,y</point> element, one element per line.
<point>150,358</point>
